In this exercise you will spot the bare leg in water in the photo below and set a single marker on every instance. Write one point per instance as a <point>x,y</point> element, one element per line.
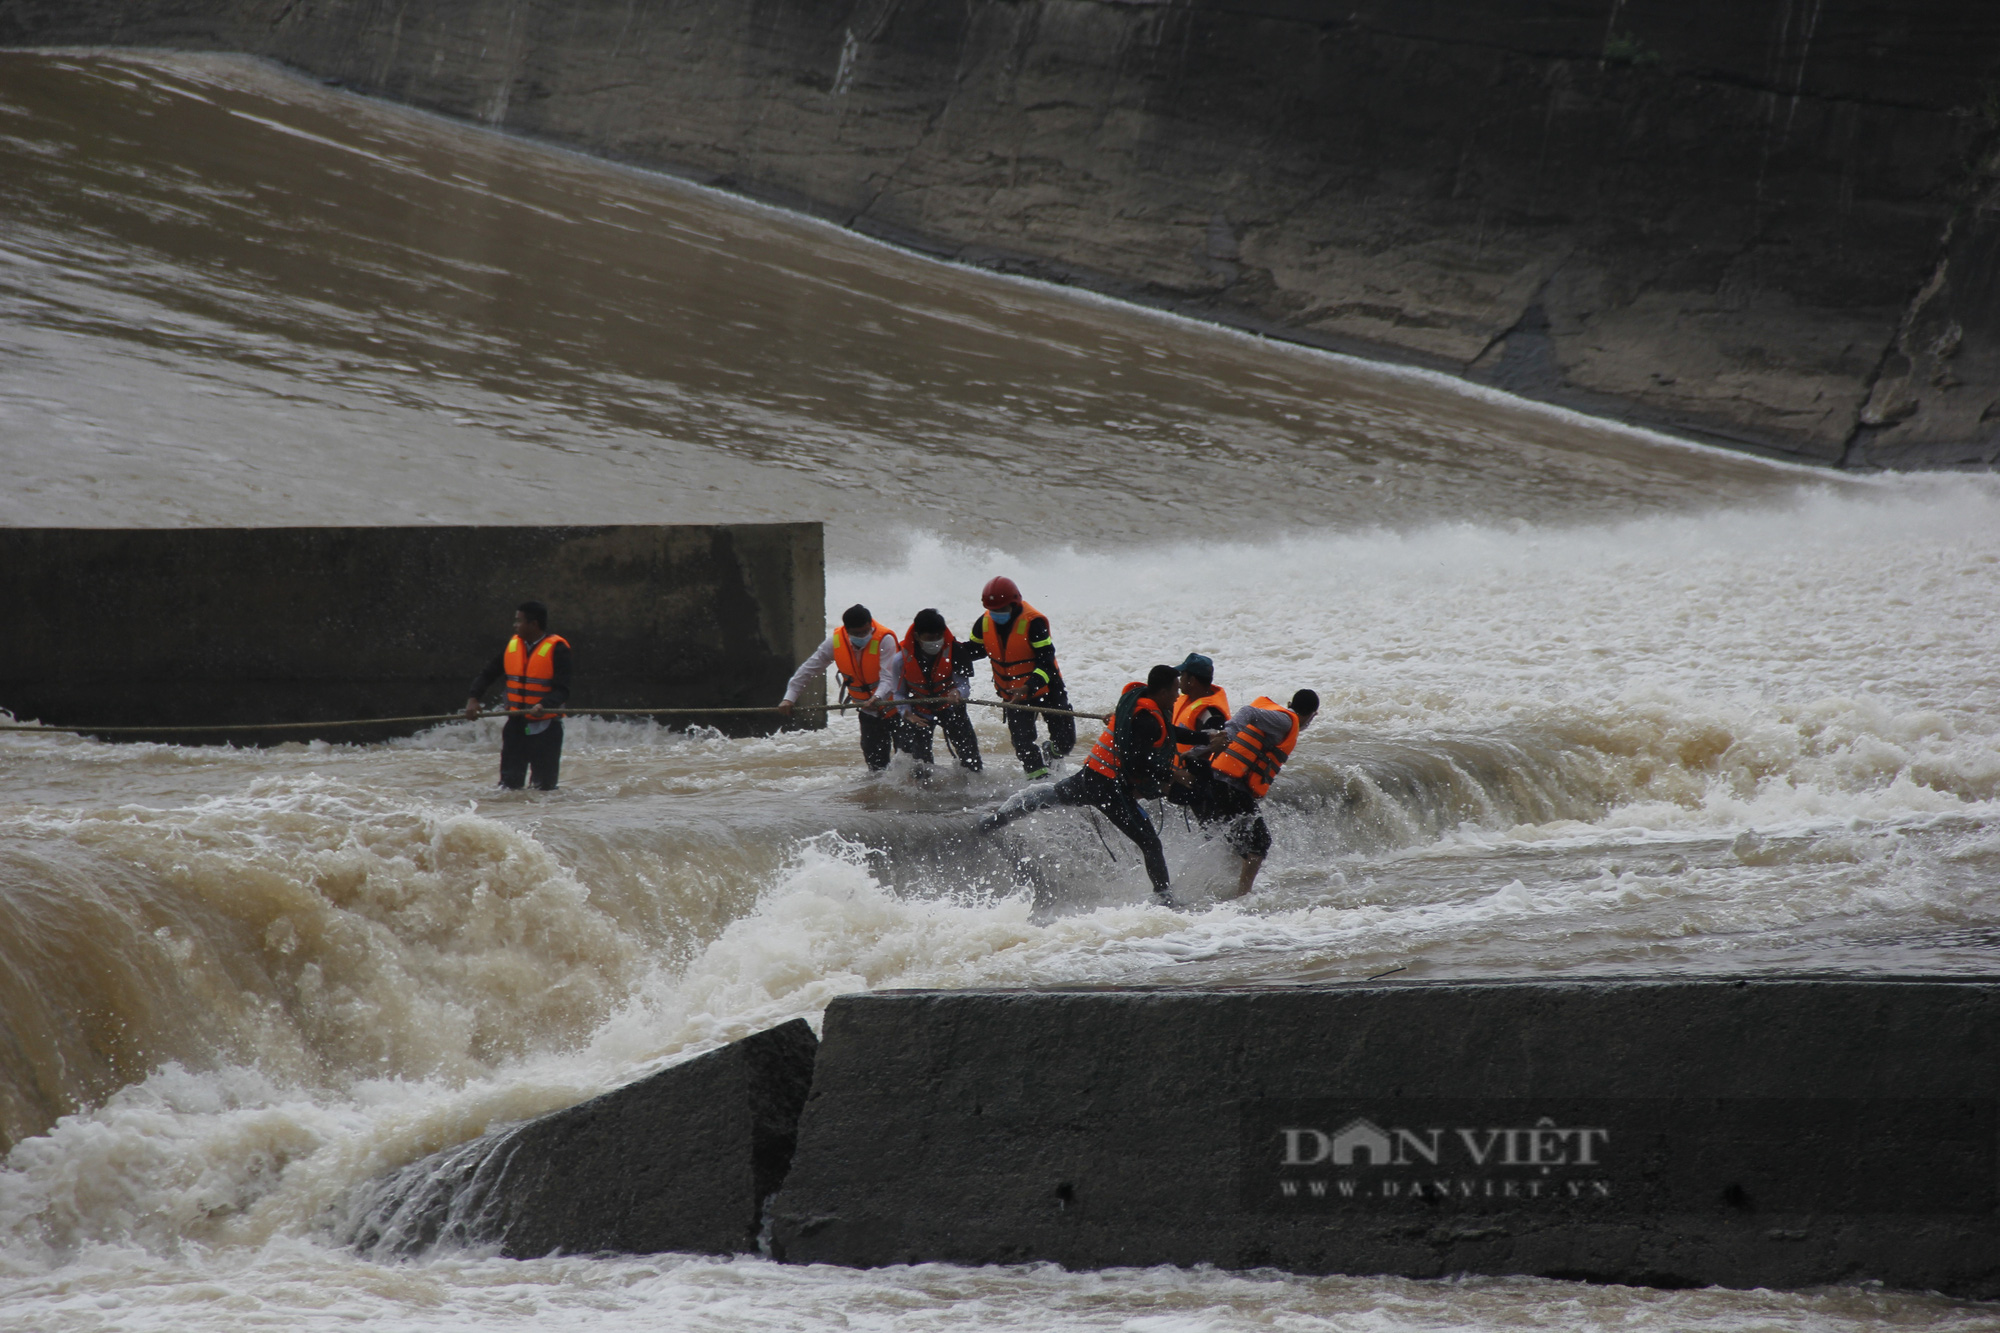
<point>1247,876</point>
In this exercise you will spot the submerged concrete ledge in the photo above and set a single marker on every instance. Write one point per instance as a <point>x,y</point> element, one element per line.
<point>233,626</point>
<point>1757,1132</point>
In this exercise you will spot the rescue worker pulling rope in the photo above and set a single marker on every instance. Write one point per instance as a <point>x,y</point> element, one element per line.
<point>1015,637</point>
<point>1173,734</point>
<point>870,662</point>
<point>536,665</point>
<point>1133,757</point>
<point>936,666</point>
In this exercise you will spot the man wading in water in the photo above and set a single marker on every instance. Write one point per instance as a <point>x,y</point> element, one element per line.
<point>1199,713</point>
<point>1015,638</point>
<point>870,662</point>
<point>1244,758</point>
<point>536,665</point>
<point>936,666</point>
<point>1133,757</point>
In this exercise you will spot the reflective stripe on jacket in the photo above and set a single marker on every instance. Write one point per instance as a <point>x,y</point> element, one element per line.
<point>860,674</point>
<point>1254,757</point>
<point>531,672</point>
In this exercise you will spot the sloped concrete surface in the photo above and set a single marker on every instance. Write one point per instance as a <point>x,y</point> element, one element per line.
<point>683,1160</point>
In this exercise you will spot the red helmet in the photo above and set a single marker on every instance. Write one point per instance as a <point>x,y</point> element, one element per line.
<point>999,593</point>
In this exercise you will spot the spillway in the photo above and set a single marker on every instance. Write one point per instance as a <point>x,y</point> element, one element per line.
<point>1598,703</point>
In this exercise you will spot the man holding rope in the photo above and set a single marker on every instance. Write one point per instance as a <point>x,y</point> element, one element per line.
<point>936,680</point>
<point>870,662</point>
<point>536,664</point>
<point>1133,757</point>
<point>1016,638</point>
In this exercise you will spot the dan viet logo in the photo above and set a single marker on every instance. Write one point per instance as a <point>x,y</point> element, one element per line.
<point>1590,1157</point>
<point>1360,1159</point>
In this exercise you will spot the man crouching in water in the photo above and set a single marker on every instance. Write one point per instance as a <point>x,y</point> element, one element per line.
<point>1133,757</point>
<point>1245,758</point>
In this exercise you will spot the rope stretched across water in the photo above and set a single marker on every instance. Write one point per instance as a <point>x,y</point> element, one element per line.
<point>766,709</point>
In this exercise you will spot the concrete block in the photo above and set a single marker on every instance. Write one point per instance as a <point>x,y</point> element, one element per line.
<point>146,627</point>
<point>1749,1132</point>
<point>683,1160</point>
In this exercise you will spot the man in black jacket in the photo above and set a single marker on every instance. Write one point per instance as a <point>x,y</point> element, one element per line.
<point>1133,757</point>
<point>1015,638</point>
<point>536,664</point>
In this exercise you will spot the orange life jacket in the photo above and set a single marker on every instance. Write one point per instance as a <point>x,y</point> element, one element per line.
<point>860,673</point>
<point>927,682</point>
<point>1253,757</point>
<point>531,673</point>
<point>1013,657</point>
<point>1186,710</point>
<point>1104,754</point>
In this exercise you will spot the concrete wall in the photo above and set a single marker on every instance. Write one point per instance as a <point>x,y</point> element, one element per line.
<point>1778,1132</point>
<point>224,626</point>
<point>1770,222</point>
<point>1765,1131</point>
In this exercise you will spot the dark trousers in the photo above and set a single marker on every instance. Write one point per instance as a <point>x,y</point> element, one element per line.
<point>1062,730</point>
<point>913,736</point>
<point>522,754</point>
<point>1195,795</point>
<point>1116,801</point>
<point>878,739</point>
<point>1215,801</point>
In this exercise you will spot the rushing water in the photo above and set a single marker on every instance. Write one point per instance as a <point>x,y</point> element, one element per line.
<point>1596,703</point>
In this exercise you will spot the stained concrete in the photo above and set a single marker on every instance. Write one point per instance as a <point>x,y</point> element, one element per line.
<point>1767,223</point>
<point>1750,1132</point>
<point>122,627</point>
<point>683,1160</point>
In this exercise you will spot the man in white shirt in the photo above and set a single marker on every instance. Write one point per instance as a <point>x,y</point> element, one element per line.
<point>870,662</point>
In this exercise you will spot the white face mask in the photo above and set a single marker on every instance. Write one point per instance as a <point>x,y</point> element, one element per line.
<point>1001,617</point>
<point>931,647</point>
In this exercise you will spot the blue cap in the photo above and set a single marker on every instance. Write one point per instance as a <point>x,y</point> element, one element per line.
<point>1201,668</point>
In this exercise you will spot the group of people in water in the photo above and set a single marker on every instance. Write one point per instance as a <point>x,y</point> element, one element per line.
<point>1171,735</point>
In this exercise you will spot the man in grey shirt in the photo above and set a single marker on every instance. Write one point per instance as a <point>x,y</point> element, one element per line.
<point>1244,758</point>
